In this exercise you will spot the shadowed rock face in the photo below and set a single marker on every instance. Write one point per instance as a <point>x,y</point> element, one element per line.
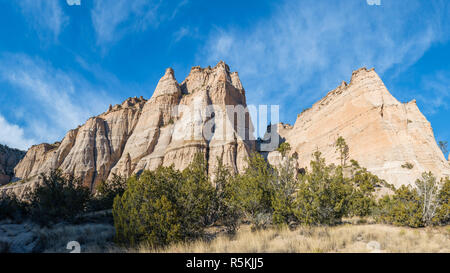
<point>8,160</point>
<point>382,133</point>
<point>142,135</point>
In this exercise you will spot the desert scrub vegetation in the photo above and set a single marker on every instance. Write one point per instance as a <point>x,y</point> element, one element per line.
<point>408,165</point>
<point>57,198</point>
<point>310,239</point>
<point>284,148</point>
<point>426,204</point>
<point>12,207</point>
<point>167,206</point>
<point>106,191</point>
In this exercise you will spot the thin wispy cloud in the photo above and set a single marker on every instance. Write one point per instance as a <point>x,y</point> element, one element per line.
<point>45,16</point>
<point>181,33</point>
<point>185,32</point>
<point>13,135</point>
<point>437,90</point>
<point>178,8</point>
<point>57,100</point>
<point>290,53</point>
<point>307,47</point>
<point>113,19</point>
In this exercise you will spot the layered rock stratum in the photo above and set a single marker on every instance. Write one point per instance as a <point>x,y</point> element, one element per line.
<point>8,160</point>
<point>391,139</point>
<point>168,129</point>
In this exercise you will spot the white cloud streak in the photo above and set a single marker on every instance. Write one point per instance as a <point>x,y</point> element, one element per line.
<point>113,19</point>
<point>437,90</point>
<point>45,16</point>
<point>181,33</point>
<point>55,101</point>
<point>307,47</point>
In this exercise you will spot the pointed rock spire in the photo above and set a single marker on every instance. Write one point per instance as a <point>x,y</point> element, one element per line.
<point>223,65</point>
<point>167,85</point>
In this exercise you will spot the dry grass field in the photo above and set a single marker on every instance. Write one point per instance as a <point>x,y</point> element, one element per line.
<point>344,238</point>
<point>98,237</point>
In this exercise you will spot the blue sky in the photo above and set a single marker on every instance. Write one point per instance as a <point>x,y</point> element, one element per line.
<point>61,63</point>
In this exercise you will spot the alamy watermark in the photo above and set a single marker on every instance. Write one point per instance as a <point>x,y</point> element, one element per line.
<point>225,123</point>
<point>374,2</point>
<point>74,246</point>
<point>73,2</point>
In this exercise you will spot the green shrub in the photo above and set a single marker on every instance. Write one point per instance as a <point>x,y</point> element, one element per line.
<point>164,206</point>
<point>11,207</point>
<point>401,209</point>
<point>323,196</point>
<point>284,148</point>
<point>343,150</point>
<point>285,185</point>
<point>58,197</point>
<point>408,165</point>
<point>443,211</point>
<point>196,197</point>
<point>252,192</point>
<point>147,209</point>
<point>428,190</point>
<point>362,201</point>
<point>106,191</point>
<point>224,212</point>
<point>426,204</point>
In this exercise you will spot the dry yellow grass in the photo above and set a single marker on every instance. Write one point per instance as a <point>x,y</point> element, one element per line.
<point>345,238</point>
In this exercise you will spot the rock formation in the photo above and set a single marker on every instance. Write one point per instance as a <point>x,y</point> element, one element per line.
<point>383,134</point>
<point>207,113</point>
<point>8,160</point>
<point>168,129</point>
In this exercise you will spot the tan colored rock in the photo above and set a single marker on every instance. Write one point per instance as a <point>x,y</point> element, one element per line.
<point>8,160</point>
<point>177,122</point>
<point>141,135</point>
<point>166,137</point>
<point>89,151</point>
<point>382,133</point>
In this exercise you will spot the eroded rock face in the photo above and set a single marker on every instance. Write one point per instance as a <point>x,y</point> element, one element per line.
<point>180,120</point>
<point>382,133</point>
<point>89,151</point>
<point>168,129</point>
<point>173,123</point>
<point>8,160</point>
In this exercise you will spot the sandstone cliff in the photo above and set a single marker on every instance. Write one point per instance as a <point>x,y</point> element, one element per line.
<point>382,133</point>
<point>181,119</point>
<point>138,135</point>
<point>8,160</point>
